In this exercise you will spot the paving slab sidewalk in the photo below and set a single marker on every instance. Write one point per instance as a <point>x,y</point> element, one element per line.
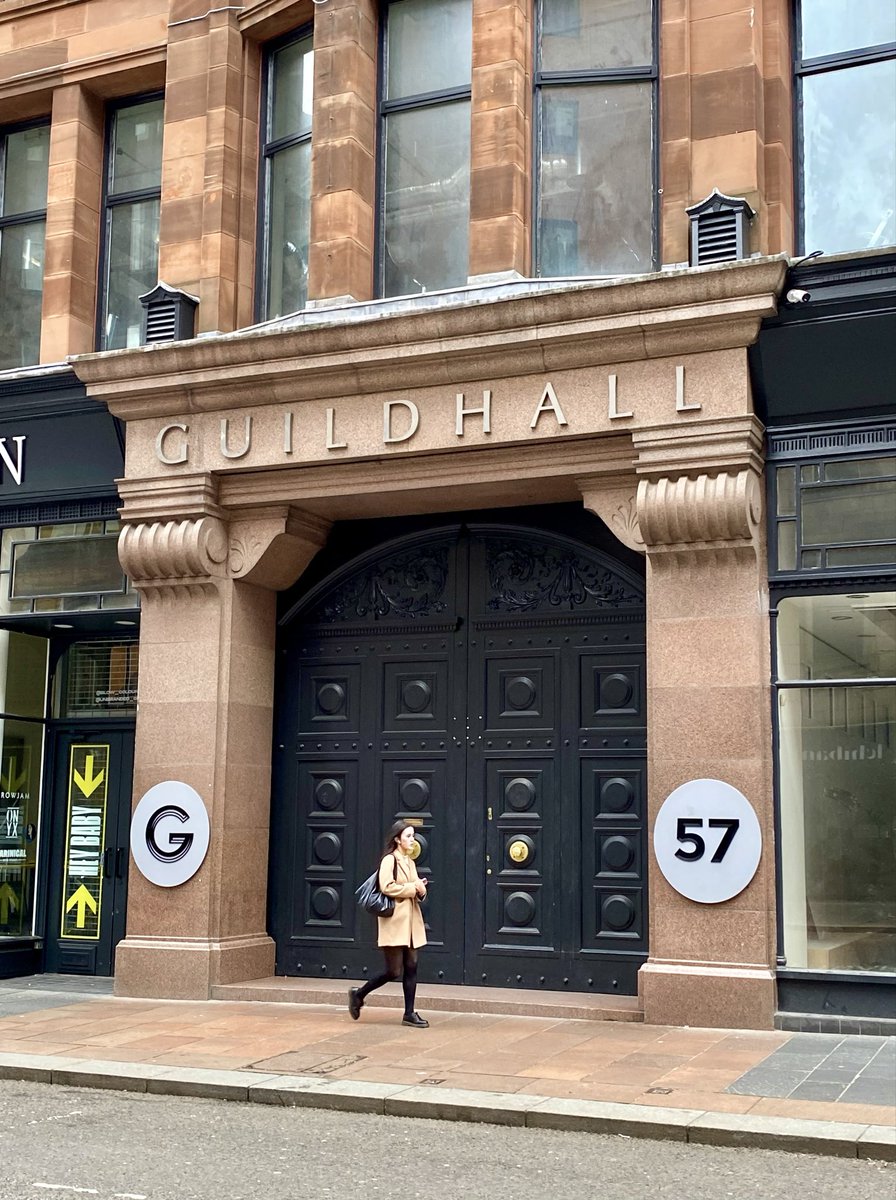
<point>731,1087</point>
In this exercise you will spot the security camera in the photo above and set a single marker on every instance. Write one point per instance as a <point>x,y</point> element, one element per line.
<point>798,296</point>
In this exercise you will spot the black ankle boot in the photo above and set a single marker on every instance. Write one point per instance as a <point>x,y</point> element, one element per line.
<point>355,1003</point>
<point>414,1019</point>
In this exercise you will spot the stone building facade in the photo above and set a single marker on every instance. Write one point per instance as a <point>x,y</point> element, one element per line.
<point>448,305</point>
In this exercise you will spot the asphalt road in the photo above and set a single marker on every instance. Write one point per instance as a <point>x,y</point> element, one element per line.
<point>71,1142</point>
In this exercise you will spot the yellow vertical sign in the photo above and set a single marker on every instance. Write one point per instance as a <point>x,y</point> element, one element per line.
<point>85,834</point>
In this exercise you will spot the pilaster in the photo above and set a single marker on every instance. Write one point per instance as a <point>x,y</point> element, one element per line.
<point>699,506</point>
<point>207,580</point>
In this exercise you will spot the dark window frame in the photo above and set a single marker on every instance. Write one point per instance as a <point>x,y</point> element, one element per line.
<point>109,203</point>
<point>26,218</point>
<point>267,149</point>
<point>385,108</point>
<point>543,79</point>
<point>804,68</point>
<point>817,445</point>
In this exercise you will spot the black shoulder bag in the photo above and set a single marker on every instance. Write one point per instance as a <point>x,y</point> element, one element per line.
<point>371,899</point>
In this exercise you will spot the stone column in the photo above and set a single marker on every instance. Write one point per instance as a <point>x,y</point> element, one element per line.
<point>700,517</point>
<point>207,586</point>
<point>201,172</point>
<point>726,82</point>
<point>500,140</point>
<point>74,188</point>
<point>343,152</point>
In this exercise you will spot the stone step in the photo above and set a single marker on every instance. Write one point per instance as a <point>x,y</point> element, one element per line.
<point>432,997</point>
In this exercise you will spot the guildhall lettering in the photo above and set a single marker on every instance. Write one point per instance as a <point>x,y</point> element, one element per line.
<point>401,421</point>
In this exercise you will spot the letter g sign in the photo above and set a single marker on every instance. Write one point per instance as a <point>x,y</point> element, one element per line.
<point>169,833</point>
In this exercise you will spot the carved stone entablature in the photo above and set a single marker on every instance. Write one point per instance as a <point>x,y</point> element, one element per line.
<point>160,555</point>
<point>709,512</point>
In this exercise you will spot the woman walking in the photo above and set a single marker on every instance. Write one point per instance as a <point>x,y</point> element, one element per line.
<point>402,934</point>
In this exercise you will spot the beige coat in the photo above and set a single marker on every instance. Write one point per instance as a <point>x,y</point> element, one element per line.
<point>405,926</point>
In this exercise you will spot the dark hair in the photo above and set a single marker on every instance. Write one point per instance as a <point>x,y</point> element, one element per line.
<point>396,829</point>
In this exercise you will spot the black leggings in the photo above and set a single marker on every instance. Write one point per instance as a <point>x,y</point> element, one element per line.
<point>401,962</point>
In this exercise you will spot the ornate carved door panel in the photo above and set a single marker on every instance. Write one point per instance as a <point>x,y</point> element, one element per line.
<point>487,684</point>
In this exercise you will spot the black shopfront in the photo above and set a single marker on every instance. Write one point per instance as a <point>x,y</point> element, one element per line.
<point>68,674</point>
<point>824,373</point>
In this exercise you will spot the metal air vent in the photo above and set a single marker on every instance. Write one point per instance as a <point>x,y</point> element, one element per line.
<point>719,229</point>
<point>169,315</point>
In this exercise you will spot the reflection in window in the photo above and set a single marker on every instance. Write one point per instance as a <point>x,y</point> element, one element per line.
<point>595,103</point>
<point>65,567</point>
<point>837,767</point>
<point>426,146</point>
<point>24,161</point>
<point>23,683</point>
<point>846,75</point>
<point>286,158</point>
<point>131,247</point>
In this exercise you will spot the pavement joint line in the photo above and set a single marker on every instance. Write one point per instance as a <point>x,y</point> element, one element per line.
<point>805,1136</point>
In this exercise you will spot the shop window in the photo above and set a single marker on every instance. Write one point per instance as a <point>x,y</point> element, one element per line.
<point>286,178</point>
<point>425,146</point>
<point>130,259</point>
<point>23,683</point>
<point>832,513</point>
<point>24,161</point>
<point>836,707</point>
<point>595,105</point>
<point>846,88</point>
<point>64,567</point>
<point>97,679</point>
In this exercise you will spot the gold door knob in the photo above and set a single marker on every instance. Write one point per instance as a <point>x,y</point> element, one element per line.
<point>518,851</point>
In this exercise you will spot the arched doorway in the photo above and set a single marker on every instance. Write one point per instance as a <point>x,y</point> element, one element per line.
<point>487,682</point>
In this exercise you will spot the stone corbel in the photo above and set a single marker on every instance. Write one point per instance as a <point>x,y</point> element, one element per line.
<point>159,556</point>
<point>617,508</point>
<point>271,547</point>
<point>709,512</point>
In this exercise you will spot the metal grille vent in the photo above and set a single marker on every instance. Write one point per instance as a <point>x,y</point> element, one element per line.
<point>719,229</point>
<point>161,322</point>
<point>169,315</point>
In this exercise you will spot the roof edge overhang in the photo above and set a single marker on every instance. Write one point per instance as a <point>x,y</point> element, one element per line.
<point>480,337</point>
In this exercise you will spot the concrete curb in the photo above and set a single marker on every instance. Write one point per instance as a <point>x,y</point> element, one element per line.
<point>837,1138</point>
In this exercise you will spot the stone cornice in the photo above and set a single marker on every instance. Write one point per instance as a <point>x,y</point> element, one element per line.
<point>656,316</point>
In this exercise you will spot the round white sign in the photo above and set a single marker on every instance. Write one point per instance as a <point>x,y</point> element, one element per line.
<point>170,833</point>
<point>707,840</point>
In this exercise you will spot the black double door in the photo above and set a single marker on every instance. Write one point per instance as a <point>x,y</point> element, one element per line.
<point>486,684</point>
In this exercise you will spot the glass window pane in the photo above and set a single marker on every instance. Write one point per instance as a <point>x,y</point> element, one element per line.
<point>21,293</point>
<point>785,483</point>
<point>67,568</point>
<point>23,674</point>
<point>427,202</point>
<point>837,637</point>
<point>849,133</point>
<point>861,556</point>
<point>135,160</point>
<point>100,679</point>
<point>24,187</point>
<point>581,35</point>
<point>292,84</point>
<point>596,183</point>
<point>861,468</point>
<point>131,270</point>
<point>835,26</point>
<point>288,224</point>
<point>809,474</point>
<point>861,512</point>
<point>10,535</point>
<point>837,765</point>
<point>787,546</point>
<point>810,558</point>
<point>21,754</point>
<point>429,46</point>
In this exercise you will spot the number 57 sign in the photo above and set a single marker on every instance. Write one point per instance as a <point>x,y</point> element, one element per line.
<point>707,840</point>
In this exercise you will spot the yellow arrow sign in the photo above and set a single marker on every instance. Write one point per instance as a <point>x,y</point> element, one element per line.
<point>9,901</point>
<point>83,900</point>
<point>88,782</point>
<point>11,782</point>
